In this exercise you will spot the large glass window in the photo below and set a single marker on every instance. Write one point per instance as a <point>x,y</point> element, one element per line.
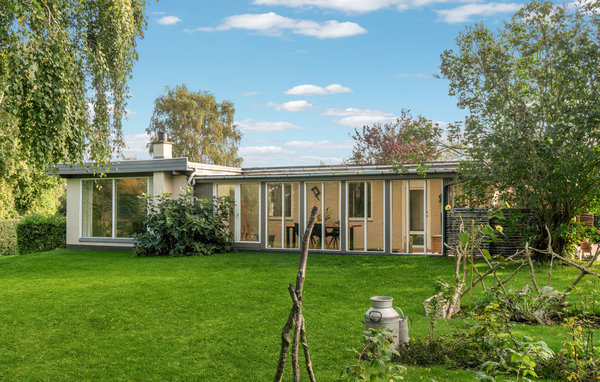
<point>227,190</point>
<point>365,223</point>
<point>97,208</point>
<point>356,199</point>
<point>113,207</point>
<point>282,231</point>
<point>249,212</point>
<point>131,207</point>
<point>245,221</point>
<point>326,197</point>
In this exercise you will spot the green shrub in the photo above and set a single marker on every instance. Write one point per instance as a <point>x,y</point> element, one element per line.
<point>8,237</point>
<point>185,226</point>
<point>36,233</point>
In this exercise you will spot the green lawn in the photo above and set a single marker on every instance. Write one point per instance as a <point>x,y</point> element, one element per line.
<point>82,315</point>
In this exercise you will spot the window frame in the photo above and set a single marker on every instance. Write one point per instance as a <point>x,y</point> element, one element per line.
<point>113,205</point>
<point>369,202</point>
<point>237,222</point>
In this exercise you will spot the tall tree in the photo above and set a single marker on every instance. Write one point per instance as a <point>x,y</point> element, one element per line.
<point>532,92</point>
<point>59,60</point>
<point>408,139</point>
<point>201,128</point>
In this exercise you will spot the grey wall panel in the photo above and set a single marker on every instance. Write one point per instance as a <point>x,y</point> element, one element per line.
<point>203,190</point>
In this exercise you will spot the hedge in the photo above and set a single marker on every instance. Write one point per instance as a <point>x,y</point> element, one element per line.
<point>36,233</point>
<point>8,237</point>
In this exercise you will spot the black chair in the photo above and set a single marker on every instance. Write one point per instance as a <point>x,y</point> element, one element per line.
<point>334,237</point>
<point>315,236</point>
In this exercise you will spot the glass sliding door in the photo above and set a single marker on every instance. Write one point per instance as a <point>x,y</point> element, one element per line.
<point>326,231</point>
<point>434,216</point>
<point>417,216</point>
<point>357,215</point>
<point>315,198</point>
<point>375,224</point>
<point>399,213</point>
<point>365,217</point>
<point>245,221</point>
<point>331,215</point>
<point>283,210</point>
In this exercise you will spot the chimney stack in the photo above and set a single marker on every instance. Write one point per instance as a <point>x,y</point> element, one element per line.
<point>162,148</point>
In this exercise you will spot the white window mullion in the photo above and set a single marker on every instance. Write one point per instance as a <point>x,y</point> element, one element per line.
<point>366,212</point>
<point>114,208</point>
<point>282,215</point>
<point>237,212</point>
<point>407,229</point>
<point>322,216</point>
<point>425,216</point>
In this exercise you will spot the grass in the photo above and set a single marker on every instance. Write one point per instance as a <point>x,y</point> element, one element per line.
<point>83,315</point>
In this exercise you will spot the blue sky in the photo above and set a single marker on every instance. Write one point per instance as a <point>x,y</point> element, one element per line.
<point>302,73</point>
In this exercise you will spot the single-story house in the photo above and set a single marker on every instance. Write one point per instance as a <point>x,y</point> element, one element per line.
<point>362,208</point>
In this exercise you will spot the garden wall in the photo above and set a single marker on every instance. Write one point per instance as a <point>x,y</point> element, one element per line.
<point>514,226</point>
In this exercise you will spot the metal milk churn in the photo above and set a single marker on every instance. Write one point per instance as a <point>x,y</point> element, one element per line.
<point>382,314</point>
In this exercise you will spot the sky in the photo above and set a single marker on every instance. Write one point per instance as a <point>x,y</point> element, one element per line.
<point>302,74</point>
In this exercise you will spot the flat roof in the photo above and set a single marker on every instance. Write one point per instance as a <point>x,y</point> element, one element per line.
<point>143,166</point>
<point>342,170</point>
<point>203,171</point>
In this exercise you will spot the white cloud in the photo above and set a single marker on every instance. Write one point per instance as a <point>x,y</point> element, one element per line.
<point>415,75</point>
<point>157,13</point>
<point>362,120</point>
<point>299,105</point>
<point>317,90</point>
<point>354,117</point>
<point>252,126</point>
<point>352,111</point>
<point>323,159</point>
<point>248,94</point>
<point>136,145</point>
<point>350,6</point>
<point>318,145</point>
<point>277,155</point>
<point>169,20</point>
<point>264,150</point>
<point>274,25</point>
<point>464,13</point>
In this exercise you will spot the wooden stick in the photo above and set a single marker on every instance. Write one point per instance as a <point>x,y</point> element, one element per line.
<point>285,343</point>
<point>309,368</point>
<point>578,279</point>
<point>531,268</point>
<point>295,319</point>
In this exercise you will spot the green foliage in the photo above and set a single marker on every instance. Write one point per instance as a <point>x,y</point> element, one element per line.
<point>407,140</point>
<point>487,345</point>
<point>589,303</point>
<point>375,360</point>
<point>583,358</point>
<point>8,237</point>
<point>36,233</point>
<point>573,233</point>
<point>201,128</point>
<point>56,59</point>
<point>185,226</point>
<point>525,305</point>
<point>534,121</point>
<point>519,360</point>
